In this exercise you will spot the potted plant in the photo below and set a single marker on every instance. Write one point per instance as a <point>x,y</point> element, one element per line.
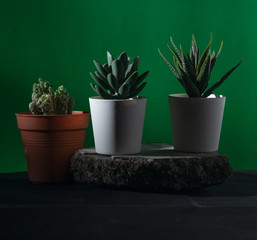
<point>196,116</point>
<point>118,113</point>
<point>51,133</point>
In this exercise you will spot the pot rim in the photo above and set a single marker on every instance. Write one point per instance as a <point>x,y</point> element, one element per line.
<point>98,98</point>
<point>74,114</point>
<point>185,96</point>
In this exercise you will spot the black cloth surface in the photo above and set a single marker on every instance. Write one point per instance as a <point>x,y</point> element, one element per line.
<point>82,211</point>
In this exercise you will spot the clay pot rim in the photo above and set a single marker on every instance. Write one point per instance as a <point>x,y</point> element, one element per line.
<point>74,114</point>
<point>185,96</point>
<point>98,98</point>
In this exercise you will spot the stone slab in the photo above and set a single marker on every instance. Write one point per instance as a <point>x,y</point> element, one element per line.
<point>157,168</point>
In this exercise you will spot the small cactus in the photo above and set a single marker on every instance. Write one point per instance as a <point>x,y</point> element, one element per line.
<point>193,72</point>
<point>47,102</point>
<point>118,79</point>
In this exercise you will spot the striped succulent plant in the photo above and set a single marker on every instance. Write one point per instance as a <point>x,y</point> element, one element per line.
<point>193,72</point>
<point>118,79</point>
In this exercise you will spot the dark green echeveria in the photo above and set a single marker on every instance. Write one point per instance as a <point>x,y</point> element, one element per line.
<point>118,78</point>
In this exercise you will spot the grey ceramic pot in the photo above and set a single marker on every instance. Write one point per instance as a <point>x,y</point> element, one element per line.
<point>196,122</point>
<point>117,124</point>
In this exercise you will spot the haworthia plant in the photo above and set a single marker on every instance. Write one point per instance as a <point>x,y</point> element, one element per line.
<point>193,72</point>
<point>118,78</point>
<point>47,102</point>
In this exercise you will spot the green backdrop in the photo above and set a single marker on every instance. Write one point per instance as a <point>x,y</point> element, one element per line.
<point>58,39</point>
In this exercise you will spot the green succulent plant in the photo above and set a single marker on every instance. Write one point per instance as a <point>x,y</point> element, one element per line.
<point>118,79</point>
<point>193,72</point>
<point>47,102</point>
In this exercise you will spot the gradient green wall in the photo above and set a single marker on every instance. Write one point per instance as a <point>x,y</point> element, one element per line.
<point>58,39</point>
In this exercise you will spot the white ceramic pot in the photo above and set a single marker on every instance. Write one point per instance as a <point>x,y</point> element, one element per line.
<point>117,124</point>
<point>196,122</point>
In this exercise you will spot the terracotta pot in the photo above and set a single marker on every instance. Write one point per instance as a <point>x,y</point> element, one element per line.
<point>49,142</point>
<point>117,124</point>
<point>196,122</point>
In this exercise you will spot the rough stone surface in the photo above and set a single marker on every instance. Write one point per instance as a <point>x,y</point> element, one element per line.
<point>157,168</point>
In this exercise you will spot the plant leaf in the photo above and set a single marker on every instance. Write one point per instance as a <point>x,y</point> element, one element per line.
<point>177,64</point>
<point>138,90</point>
<point>113,82</point>
<point>204,75</point>
<point>174,71</point>
<point>140,79</point>
<point>100,82</point>
<point>190,87</point>
<point>106,68</point>
<point>192,60</point>
<point>109,59</point>
<point>128,71</point>
<point>197,58</point>
<point>176,55</point>
<point>217,84</point>
<point>132,67</point>
<point>187,66</point>
<point>195,52</point>
<point>212,55</point>
<point>100,76</point>
<point>124,91</point>
<point>131,81</point>
<point>214,59</point>
<point>176,49</point>
<point>100,68</point>
<point>118,71</point>
<point>124,59</point>
<point>175,61</point>
<point>181,74</point>
<point>100,91</point>
<point>205,53</point>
